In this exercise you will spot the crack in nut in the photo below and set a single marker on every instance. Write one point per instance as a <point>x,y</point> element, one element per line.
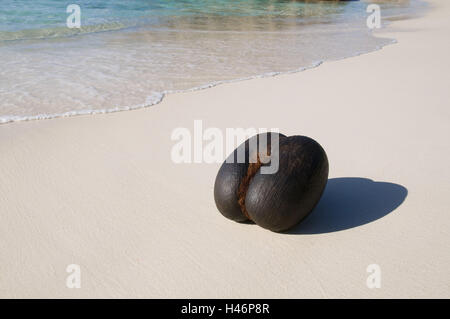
<point>245,183</point>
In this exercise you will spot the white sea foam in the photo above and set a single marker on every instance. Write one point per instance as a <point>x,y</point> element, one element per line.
<point>152,99</point>
<point>157,97</point>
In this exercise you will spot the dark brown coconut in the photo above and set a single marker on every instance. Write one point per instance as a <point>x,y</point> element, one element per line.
<point>275,201</point>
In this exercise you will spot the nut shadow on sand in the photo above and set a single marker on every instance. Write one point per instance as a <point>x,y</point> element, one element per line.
<point>350,202</point>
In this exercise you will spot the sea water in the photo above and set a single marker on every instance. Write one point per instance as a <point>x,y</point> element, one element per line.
<point>129,54</point>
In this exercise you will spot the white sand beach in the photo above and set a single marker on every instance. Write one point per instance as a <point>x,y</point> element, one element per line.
<point>102,192</point>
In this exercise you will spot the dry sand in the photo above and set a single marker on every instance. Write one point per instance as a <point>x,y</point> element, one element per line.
<point>102,192</point>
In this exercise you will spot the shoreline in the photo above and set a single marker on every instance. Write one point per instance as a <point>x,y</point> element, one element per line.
<point>157,97</point>
<point>102,192</point>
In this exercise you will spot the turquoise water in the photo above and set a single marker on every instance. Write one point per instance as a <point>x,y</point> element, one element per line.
<point>39,14</point>
<point>26,19</point>
<point>128,54</point>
